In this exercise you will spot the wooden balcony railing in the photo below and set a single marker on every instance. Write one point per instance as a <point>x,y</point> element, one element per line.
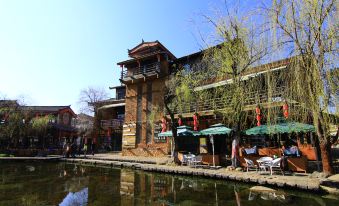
<point>112,123</point>
<point>251,98</point>
<point>144,70</point>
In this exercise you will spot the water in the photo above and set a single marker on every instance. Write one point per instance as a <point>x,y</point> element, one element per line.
<point>69,184</point>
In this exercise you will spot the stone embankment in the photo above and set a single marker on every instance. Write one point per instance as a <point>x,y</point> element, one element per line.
<point>296,181</point>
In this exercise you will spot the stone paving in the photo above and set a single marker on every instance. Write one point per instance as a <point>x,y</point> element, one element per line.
<point>49,158</point>
<point>119,157</point>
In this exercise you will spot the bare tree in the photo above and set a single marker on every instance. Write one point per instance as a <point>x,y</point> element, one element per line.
<point>89,97</point>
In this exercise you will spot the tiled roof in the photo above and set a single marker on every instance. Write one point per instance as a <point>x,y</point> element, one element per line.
<point>45,108</point>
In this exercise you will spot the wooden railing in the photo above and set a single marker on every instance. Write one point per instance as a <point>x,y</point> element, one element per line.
<point>251,98</point>
<point>112,123</point>
<point>147,69</point>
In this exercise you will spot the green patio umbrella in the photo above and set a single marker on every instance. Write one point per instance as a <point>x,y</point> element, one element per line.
<point>284,127</point>
<point>216,129</point>
<point>181,131</point>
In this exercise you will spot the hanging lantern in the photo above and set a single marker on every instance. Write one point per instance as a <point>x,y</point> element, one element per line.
<point>258,120</point>
<point>285,110</point>
<point>180,121</point>
<point>257,110</point>
<point>195,122</point>
<point>163,124</point>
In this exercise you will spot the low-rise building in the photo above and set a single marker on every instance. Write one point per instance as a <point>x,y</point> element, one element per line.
<point>109,118</point>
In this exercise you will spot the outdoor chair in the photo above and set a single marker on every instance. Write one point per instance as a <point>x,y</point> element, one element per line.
<point>264,163</point>
<point>184,160</point>
<point>196,161</point>
<point>250,165</point>
<point>275,165</point>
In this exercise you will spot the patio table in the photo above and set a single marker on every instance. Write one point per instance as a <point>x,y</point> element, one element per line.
<point>264,163</point>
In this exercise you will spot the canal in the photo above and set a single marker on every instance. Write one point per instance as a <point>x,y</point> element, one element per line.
<point>70,184</point>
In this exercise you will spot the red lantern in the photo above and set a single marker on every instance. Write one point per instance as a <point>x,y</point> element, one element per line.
<point>163,124</point>
<point>285,110</point>
<point>258,119</point>
<point>180,121</point>
<point>257,110</point>
<point>195,121</point>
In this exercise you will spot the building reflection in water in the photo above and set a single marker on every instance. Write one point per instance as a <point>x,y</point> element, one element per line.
<point>69,184</point>
<point>129,187</point>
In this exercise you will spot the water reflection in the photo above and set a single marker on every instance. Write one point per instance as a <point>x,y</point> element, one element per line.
<point>67,184</point>
<point>78,198</point>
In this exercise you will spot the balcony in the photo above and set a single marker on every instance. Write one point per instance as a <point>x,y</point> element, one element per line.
<point>252,98</point>
<point>112,123</point>
<point>141,72</point>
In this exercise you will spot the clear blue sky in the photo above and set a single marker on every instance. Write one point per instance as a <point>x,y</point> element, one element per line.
<point>51,49</point>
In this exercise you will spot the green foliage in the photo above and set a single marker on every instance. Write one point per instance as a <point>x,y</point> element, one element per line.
<point>13,127</point>
<point>309,30</point>
<point>41,124</point>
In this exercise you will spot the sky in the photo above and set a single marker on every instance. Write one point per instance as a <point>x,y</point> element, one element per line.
<point>51,49</point>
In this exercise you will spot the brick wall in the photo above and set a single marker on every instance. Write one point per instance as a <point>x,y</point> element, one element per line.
<point>129,146</point>
<point>149,150</point>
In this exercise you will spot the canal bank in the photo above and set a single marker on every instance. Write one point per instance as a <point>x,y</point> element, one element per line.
<point>305,182</point>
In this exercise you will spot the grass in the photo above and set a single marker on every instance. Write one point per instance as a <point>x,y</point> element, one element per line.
<point>6,155</point>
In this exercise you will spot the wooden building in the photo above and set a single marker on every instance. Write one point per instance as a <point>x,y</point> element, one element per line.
<point>61,126</point>
<point>144,75</point>
<point>108,121</point>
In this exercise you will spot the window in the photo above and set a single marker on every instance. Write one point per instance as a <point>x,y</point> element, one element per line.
<point>120,93</point>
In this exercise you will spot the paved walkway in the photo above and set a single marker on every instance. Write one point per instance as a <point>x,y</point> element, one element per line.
<point>48,158</point>
<point>119,157</point>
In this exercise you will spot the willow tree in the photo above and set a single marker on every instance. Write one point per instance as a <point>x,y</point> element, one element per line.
<point>239,47</point>
<point>171,103</point>
<point>41,125</point>
<point>308,30</point>
<point>12,122</point>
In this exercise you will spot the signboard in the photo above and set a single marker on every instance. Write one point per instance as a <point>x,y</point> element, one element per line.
<point>157,131</point>
<point>203,141</point>
<point>203,145</point>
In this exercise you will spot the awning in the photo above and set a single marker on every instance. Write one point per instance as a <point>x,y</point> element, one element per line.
<point>181,131</point>
<point>217,129</point>
<point>112,106</point>
<point>285,127</point>
<point>230,81</point>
